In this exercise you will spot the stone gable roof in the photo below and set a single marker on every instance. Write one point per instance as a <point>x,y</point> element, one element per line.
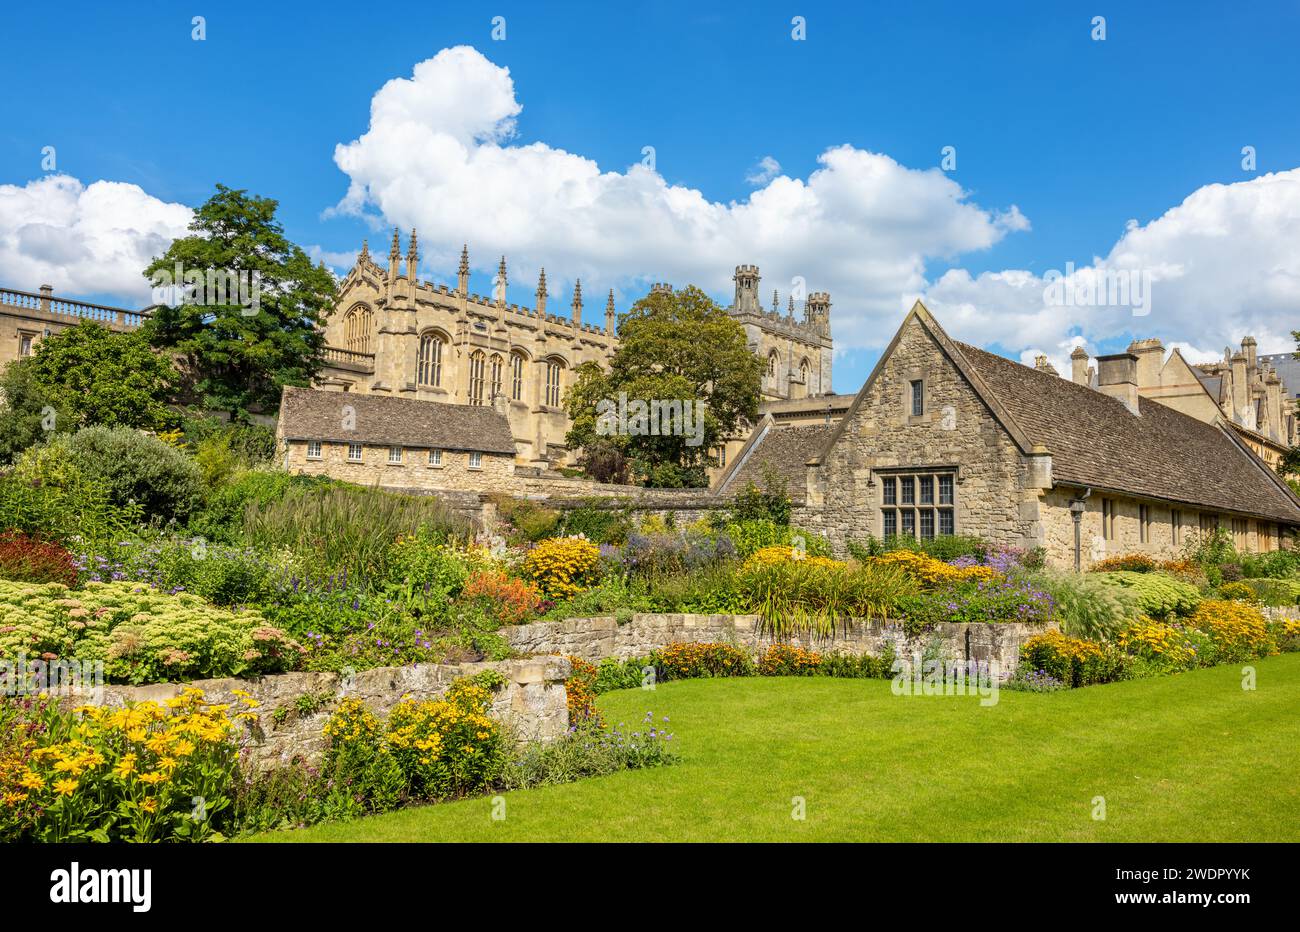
<point>1096,441</point>
<point>785,452</point>
<point>310,414</point>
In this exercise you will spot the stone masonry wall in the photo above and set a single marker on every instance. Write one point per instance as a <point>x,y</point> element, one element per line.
<point>532,703</point>
<point>995,495</point>
<point>593,639</point>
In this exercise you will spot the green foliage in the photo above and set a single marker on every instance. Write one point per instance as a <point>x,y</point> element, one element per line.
<point>942,547</point>
<point>235,360</point>
<point>1276,564</point>
<point>1158,595</point>
<point>527,520</point>
<point>770,503</point>
<point>590,751</point>
<point>1210,548</point>
<point>1275,592</point>
<point>78,509</point>
<point>341,528</point>
<point>757,533</point>
<point>599,525</point>
<point>99,377</point>
<point>1088,606</point>
<point>801,596</point>
<point>28,414</point>
<point>673,345</point>
<point>140,634</point>
<point>221,516</point>
<point>136,467</point>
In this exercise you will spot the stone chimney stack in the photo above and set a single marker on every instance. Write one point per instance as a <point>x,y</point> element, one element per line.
<point>747,279</point>
<point>1079,366</point>
<point>1240,390</point>
<point>1248,347</point>
<point>1117,377</point>
<point>1151,358</point>
<point>1042,364</point>
<point>1273,404</point>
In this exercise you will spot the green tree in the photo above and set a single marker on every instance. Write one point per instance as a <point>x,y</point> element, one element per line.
<point>97,376</point>
<point>675,347</point>
<point>237,354</point>
<point>28,414</point>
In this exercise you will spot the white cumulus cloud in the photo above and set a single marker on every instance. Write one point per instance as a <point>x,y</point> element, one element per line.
<point>84,239</point>
<point>440,154</point>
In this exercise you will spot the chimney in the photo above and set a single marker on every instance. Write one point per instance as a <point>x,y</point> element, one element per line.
<point>1117,377</point>
<point>1042,365</point>
<point>1276,421</point>
<point>1248,348</point>
<point>1151,358</point>
<point>1240,393</point>
<point>1079,366</point>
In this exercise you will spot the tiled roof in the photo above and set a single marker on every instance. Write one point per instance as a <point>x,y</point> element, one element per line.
<point>1096,441</point>
<point>785,452</point>
<point>309,414</point>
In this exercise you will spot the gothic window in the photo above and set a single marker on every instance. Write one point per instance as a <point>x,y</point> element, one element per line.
<point>554,370</point>
<point>430,362</point>
<point>356,328</point>
<point>517,376</point>
<point>917,504</point>
<point>476,365</point>
<point>495,384</point>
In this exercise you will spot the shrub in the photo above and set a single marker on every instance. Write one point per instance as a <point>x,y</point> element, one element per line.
<point>580,694</point>
<point>690,661</point>
<point>1239,631</point>
<point>770,556</point>
<point>1275,592</point>
<point>1158,595</point>
<point>563,566</point>
<point>1163,644</point>
<point>1128,562</point>
<point>527,520</point>
<point>1001,600</point>
<point>1276,564</point>
<point>1286,634</point>
<point>140,634</point>
<point>424,559</point>
<point>771,503</point>
<point>655,553</point>
<point>511,601</point>
<point>716,589</point>
<point>943,547</point>
<point>928,571</point>
<point>600,525</point>
<point>136,467</point>
<point>1238,591</point>
<point>223,575</point>
<point>1086,606</point>
<point>81,510</point>
<point>748,536</point>
<point>29,559</point>
<point>786,660</point>
<point>127,774</point>
<point>1073,661</point>
<point>589,751</point>
<point>221,516</point>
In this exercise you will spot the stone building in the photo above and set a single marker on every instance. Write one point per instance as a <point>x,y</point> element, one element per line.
<point>394,442</point>
<point>1244,390</point>
<point>391,333</point>
<point>26,318</point>
<point>945,438</point>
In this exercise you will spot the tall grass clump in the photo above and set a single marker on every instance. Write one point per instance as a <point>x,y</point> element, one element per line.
<point>348,528</point>
<point>820,598</point>
<point>1087,606</point>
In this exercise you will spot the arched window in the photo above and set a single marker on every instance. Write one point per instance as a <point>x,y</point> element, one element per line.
<point>356,328</point>
<point>495,381</point>
<point>429,370</point>
<point>476,364</point>
<point>554,377</point>
<point>517,376</point>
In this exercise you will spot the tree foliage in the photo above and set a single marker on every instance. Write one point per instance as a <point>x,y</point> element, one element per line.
<point>234,359</point>
<point>674,347</point>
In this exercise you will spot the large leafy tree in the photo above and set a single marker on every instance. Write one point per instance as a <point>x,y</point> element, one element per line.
<point>674,346</point>
<point>233,358</point>
<point>27,413</point>
<point>97,376</point>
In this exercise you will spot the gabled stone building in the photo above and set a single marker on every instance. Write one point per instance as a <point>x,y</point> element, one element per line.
<point>947,438</point>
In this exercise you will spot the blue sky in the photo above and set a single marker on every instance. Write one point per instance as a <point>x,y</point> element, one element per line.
<point>1079,136</point>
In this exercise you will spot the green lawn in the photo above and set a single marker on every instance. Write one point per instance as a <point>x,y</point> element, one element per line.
<point>1182,758</point>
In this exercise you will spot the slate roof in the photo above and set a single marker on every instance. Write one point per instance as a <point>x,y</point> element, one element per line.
<point>1096,441</point>
<point>310,414</point>
<point>785,451</point>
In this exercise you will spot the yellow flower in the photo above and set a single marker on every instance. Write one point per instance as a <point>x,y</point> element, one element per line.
<point>31,780</point>
<point>149,804</point>
<point>153,777</point>
<point>65,787</point>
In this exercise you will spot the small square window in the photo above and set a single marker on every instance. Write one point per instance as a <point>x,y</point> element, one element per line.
<point>354,452</point>
<point>313,449</point>
<point>476,461</point>
<point>395,455</point>
<point>918,398</point>
<point>435,457</point>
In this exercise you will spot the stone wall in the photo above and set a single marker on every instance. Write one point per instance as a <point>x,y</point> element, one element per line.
<point>532,702</point>
<point>593,639</point>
